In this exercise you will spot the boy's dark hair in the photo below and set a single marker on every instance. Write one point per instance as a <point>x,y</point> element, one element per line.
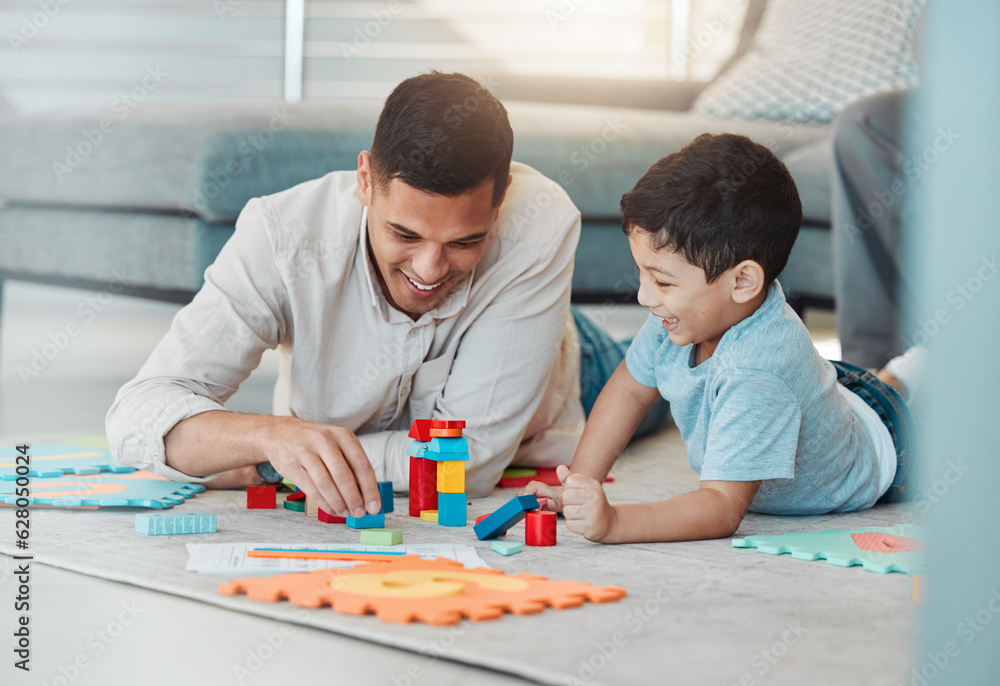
<point>718,201</point>
<point>444,134</point>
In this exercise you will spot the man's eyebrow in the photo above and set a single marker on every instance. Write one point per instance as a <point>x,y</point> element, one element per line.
<point>402,229</point>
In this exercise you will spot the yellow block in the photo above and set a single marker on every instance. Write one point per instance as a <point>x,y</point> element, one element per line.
<point>312,509</point>
<point>451,476</point>
<point>429,515</point>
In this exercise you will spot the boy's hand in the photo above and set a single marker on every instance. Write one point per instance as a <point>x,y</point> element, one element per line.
<point>585,506</point>
<point>549,497</point>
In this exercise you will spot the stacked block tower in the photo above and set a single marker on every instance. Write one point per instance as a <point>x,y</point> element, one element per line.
<point>438,455</point>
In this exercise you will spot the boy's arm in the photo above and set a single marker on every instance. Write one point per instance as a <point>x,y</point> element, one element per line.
<point>715,510</point>
<point>616,414</point>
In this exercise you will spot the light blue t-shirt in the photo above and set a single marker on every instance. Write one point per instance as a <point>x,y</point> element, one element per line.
<point>764,406</point>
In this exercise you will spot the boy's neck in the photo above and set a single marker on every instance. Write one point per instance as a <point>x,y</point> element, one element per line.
<point>706,349</point>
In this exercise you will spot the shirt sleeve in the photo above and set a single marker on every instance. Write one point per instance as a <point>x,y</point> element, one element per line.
<point>213,344</point>
<point>753,432</point>
<point>640,359</point>
<point>503,363</point>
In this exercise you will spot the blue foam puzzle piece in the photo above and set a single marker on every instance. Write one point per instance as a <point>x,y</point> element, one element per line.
<point>456,446</point>
<point>55,460</point>
<point>158,524</point>
<point>506,516</point>
<point>416,448</point>
<point>139,489</point>
<point>385,495</point>
<point>369,521</point>
<point>452,509</point>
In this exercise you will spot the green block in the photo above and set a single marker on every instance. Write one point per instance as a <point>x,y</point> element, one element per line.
<point>381,536</point>
<point>297,505</point>
<point>518,472</point>
<point>506,547</point>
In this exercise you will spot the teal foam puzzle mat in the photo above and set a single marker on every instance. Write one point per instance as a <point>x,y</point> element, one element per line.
<point>136,489</point>
<point>878,549</point>
<point>58,460</point>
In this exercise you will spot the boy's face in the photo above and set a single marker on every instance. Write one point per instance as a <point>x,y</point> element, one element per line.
<point>693,310</point>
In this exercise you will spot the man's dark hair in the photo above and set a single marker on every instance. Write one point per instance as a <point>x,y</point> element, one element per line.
<point>444,134</point>
<point>718,201</point>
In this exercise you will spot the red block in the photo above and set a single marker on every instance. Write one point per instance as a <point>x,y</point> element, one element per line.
<point>546,476</point>
<point>423,485</point>
<point>298,495</point>
<point>330,519</point>
<point>448,424</point>
<point>262,497</point>
<point>540,528</point>
<point>420,429</point>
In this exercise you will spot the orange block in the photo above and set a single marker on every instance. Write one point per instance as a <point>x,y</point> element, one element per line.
<point>446,433</point>
<point>451,476</point>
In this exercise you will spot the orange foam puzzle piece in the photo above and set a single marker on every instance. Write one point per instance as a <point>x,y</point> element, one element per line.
<point>410,589</point>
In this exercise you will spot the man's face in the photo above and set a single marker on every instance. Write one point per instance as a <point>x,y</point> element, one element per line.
<point>693,310</point>
<point>424,244</point>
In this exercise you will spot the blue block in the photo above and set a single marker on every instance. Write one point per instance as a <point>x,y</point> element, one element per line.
<point>449,445</point>
<point>385,495</point>
<point>452,509</point>
<point>155,524</point>
<point>506,547</point>
<point>369,521</point>
<point>416,448</point>
<point>506,516</point>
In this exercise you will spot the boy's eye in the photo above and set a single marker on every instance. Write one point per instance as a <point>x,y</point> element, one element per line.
<point>662,285</point>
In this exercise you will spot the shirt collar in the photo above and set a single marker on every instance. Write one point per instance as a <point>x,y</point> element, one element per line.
<point>453,303</point>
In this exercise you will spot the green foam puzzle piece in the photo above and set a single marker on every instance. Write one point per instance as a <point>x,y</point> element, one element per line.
<point>838,548</point>
<point>506,547</point>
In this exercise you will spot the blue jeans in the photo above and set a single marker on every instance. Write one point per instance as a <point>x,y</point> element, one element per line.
<point>600,355</point>
<point>894,413</point>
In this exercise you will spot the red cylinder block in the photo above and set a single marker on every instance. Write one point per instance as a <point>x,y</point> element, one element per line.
<point>423,485</point>
<point>540,528</point>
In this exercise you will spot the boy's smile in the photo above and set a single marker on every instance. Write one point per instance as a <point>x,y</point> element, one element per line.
<point>694,312</point>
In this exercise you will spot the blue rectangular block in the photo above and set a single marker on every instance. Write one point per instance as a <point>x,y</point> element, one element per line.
<point>385,495</point>
<point>162,524</point>
<point>452,509</point>
<point>369,521</point>
<point>506,516</point>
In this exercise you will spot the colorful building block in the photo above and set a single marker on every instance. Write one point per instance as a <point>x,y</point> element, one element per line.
<point>295,505</point>
<point>328,518</point>
<point>420,429</point>
<point>446,433</point>
<point>540,528</point>
<point>506,516</point>
<point>449,446</point>
<point>506,547</point>
<point>447,423</point>
<point>298,495</point>
<point>262,497</point>
<point>429,515</point>
<point>423,486</point>
<point>450,477</point>
<point>416,448</point>
<point>382,536</point>
<point>369,521</point>
<point>312,509</point>
<point>452,509</point>
<point>160,524</point>
<point>385,496</point>
<point>482,517</point>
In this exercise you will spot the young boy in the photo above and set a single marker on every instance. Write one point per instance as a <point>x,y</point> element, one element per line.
<point>769,425</point>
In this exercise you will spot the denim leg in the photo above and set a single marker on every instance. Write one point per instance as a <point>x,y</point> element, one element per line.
<point>600,355</point>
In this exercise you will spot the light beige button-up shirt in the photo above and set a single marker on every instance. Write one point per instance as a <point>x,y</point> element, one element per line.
<point>501,351</point>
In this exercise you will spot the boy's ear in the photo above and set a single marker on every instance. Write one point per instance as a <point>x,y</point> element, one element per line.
<point>748,281</point>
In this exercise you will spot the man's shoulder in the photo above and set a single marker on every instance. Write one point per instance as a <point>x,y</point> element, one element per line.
<point>536,209</point>
<point>324,210</point>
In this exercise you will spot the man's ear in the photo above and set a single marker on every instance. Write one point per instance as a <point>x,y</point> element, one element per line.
<point>748,281</point>
<point>365,183</point>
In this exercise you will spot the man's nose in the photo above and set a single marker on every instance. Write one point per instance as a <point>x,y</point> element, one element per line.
<point>431,264</point>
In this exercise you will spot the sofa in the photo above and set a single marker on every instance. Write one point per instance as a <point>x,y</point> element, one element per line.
<point>145,198</point>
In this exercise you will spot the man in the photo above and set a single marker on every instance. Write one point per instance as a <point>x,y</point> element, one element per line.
<point>433,282</point>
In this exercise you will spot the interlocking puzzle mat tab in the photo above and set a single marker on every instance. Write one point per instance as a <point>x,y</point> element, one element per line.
<point>410,589</point>
<point>57,460</point>
<point>138,489</point>
<point>877,549</point>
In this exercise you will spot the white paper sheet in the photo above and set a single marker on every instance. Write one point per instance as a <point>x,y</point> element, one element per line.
<point>230,558</point>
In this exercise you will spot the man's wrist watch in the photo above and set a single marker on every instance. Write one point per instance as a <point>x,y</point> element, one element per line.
<point>268,474</point>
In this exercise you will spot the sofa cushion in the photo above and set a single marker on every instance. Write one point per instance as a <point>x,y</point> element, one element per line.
<point>808,60</point>
<point>811,166</point>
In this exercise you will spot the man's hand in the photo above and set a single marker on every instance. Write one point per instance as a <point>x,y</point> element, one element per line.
<point>327,462</point>
<point>585,505</point>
